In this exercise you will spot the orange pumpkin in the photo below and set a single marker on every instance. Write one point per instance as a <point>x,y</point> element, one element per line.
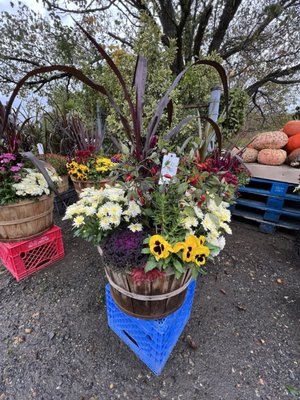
<point>292,128</point>
<point>293,143</point>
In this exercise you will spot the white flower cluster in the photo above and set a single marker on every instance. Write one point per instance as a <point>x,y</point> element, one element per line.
<point>34,183</point>
<point>108,206</point>
<point>214,221</point>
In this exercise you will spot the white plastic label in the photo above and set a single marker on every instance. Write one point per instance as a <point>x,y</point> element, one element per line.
<point>40,148</point>
<point>169,167</point>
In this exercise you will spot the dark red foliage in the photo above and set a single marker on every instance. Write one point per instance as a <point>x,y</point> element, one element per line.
<point>139,275</point>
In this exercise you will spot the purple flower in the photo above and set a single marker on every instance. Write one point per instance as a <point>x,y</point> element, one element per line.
<point>2,169</point>
<point>17,177</point>
<point>16,168</point>
<point>153,141</point>
<point>9,156</point>
<point>20,164</point>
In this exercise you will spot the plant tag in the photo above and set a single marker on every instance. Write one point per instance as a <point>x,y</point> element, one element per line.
<point>169,167</point>
<point>40,148</point>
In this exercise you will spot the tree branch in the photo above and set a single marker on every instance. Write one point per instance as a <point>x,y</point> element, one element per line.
<point>284,82</point>
<point>202,25</point>
<point>229,11</point>
<point>78,11</point>
<point>42,82</point>
<point>272,12</point>
<point>20,59</point>
<point>271,77</point>
<point>122,40</point>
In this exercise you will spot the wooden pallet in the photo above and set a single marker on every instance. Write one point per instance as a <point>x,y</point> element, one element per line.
<point>271,203</point>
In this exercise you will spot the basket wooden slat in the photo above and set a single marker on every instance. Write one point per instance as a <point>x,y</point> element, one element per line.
<point>80,185</point>
<point>64,185</point>
<point>26,219</point>
<point>147,309</point>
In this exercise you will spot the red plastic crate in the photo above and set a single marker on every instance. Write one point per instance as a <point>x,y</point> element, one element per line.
<point>25,258</point>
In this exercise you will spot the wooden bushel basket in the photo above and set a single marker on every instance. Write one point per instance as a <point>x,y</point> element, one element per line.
<point>64,185</point>
<point>26,219</point>
<point>148,300</point>
<point>80,185</point>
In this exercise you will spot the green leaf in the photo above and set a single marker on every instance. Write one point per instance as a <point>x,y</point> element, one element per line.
<point>195,273</point>
<point>182,188</point>
<point>146,241</point>
<point>151,264</point>
<point>178,266</point>
<point>178,274</point>
<point>292,390</point>
<point>145,251</point>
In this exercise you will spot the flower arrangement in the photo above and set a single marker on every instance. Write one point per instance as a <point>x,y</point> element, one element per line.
<point>149,227</point>
<point>89,166</point>
<point>57,161</point>
<point>157,221</point>
<point>18,180</point>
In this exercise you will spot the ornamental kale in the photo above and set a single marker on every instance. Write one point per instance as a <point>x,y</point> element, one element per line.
<point>123,248</point>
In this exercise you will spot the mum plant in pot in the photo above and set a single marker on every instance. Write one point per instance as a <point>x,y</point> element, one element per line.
<point>26,202</point>
<point>88,168</point>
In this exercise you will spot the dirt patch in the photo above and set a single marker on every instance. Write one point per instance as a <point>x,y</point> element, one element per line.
<point>55,342</point>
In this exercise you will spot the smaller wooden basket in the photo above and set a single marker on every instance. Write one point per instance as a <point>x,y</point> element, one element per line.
<point>26,219</point>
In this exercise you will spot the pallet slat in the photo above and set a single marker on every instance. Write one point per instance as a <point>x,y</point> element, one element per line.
<point>270,203</point>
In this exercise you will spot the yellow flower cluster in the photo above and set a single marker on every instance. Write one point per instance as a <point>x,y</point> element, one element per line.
<point>78,171</point>
<point>193,249</point>
<point>103,164</point>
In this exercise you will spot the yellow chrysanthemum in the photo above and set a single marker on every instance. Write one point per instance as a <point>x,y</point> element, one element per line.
<point>159,247</point>
<point>102,169</point>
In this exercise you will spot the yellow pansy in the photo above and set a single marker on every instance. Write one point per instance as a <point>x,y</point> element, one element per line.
<point>192,248</point>
<point>200,255</point>
<point>159,247</point>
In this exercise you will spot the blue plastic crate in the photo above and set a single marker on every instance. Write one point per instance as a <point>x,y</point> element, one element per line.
<point>152,341</point>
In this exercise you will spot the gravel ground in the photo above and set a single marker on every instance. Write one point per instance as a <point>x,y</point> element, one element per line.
<point>241,343</point>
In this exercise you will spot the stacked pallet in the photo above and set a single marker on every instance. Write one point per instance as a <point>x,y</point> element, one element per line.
<point>271,203</point>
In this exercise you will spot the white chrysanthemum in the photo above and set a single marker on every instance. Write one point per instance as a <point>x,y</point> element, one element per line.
<point>103,210</point>
<point>198,212</point>
<point>189,222</point>
<point>78,221</point>
<point>135,227</point>
<point>133,209</point>
<point>34,183</point>
<point>226,227</point>
<point>105,223</point>
<point>213,237</point>
<point>225,215</point>
<point>208,223</point>
<point>89,211</point>
<point>114,219</point>
<point>115,194</point>
<point>114,208</point>
<point>222,242</point>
